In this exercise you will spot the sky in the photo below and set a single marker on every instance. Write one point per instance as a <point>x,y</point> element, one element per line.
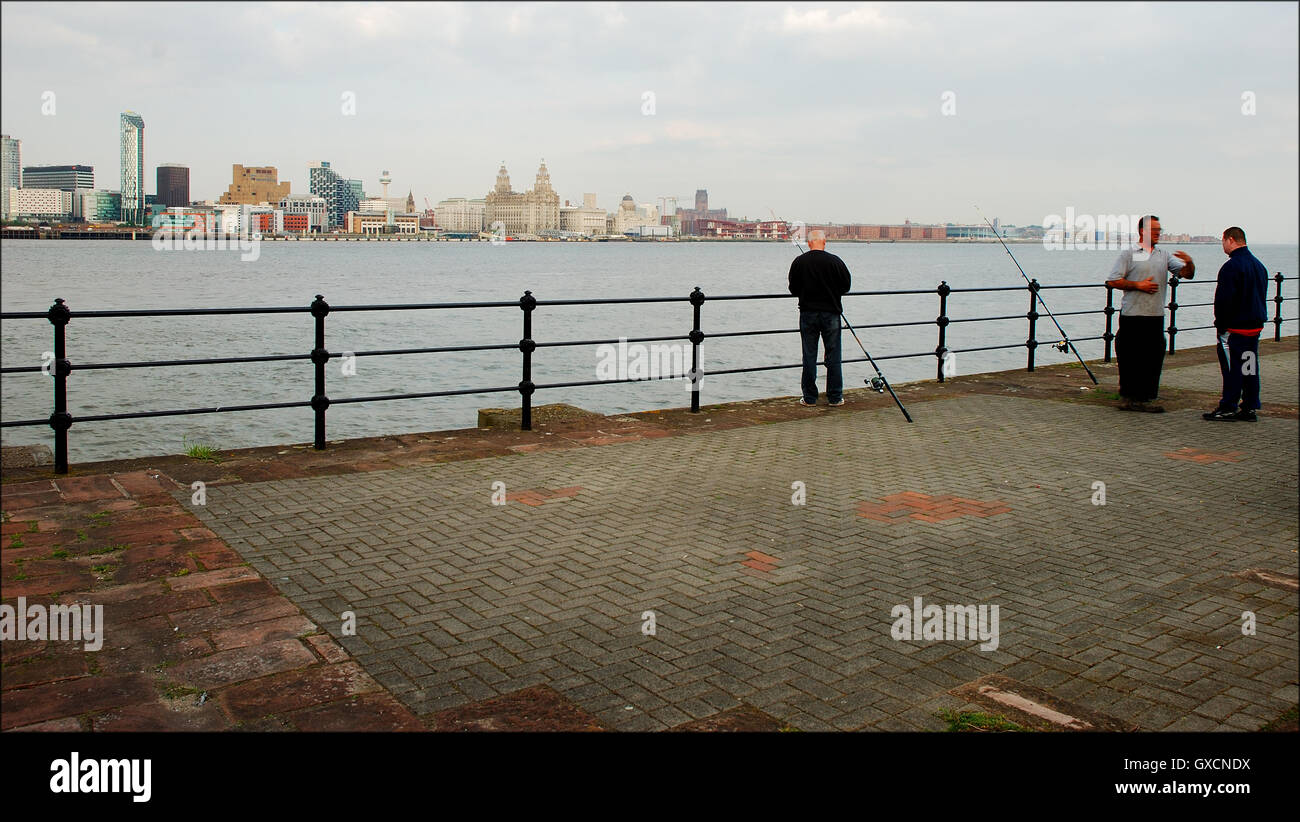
<point>814,111</point>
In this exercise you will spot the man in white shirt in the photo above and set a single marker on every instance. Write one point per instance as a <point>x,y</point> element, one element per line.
<point>1140,344</point>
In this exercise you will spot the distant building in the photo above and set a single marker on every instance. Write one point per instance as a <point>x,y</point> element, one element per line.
<point>251,185</point>
<point>64,178</point>
<point>11,170</point>
<point>530,212</point>
<point>690,218</point>
<point>629,219</point>
<point>360,223</point>
<point>174,185</point>
<point>96,206</point>
<point>340,196</point>
<point>40,203</point>
<point>313,209</point>
<point>585,219</point>
<point>131,128</point>
<point>460,215</point>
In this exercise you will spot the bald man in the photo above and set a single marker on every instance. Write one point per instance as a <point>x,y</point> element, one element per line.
<point>819,279</point>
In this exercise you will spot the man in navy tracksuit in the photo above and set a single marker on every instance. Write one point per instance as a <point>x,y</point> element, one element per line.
<point>1240,311</point>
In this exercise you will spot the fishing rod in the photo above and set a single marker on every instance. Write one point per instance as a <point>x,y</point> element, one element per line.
<point>1065,338</point>
<point>878,383</point>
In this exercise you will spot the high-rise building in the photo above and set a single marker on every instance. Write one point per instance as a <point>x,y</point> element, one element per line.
<point>701,199</point>
<point>174,185</point>
<point>64,178</point>
<point>251,185</point>
<point>340,195</point>
<point>133,199</point>
<point>11,170</point>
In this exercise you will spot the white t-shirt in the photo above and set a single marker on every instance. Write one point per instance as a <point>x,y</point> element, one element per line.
<point>1137,264</point>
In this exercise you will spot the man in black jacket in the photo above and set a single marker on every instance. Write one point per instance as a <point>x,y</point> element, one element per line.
<point>819,279</point>
<point>1240,311</point>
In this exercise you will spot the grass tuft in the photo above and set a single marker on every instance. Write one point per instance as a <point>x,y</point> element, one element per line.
<point>975,721</point>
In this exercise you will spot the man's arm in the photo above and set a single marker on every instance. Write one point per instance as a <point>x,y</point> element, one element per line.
<point>1120,282</point>
<point>1225,295</point>
<point>846,279</point>
<point>794,278</point>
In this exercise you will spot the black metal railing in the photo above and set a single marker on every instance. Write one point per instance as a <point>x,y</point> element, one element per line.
<point>59,315</point>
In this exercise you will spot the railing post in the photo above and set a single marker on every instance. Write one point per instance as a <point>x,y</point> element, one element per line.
<point>1110,313</point>
<point>526,345</point>
<point>1173,309</point>
<point>60,420</point>
<point>1277,320</point>
<point>1032,316</point>
<point>320,356</point>
<point>942,321</point>
<point>697,337</point>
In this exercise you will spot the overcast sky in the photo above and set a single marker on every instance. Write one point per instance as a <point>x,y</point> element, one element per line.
<point>819,111</point>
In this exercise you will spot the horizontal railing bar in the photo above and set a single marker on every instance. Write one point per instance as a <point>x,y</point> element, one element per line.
<point>422,395</point>
<point>176,312</point>
<point>610,342</point>
<point>220,409</point>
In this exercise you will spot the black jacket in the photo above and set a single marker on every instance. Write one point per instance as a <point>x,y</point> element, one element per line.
<point>819,279</point>
<point>1241,297</point>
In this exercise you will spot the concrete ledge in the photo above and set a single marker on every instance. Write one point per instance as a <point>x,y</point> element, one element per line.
<point>25,456</point>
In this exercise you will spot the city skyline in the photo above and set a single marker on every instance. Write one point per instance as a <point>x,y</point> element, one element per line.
<point>1020,131</point>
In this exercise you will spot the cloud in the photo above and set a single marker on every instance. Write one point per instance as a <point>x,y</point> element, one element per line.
<point>821,21</point>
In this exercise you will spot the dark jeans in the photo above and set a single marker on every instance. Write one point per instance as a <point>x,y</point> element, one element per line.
<point>1140,349</point>
<point>1234,364</point>
<point>823,325</point>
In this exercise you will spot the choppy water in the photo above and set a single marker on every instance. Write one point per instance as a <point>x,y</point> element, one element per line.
<point>133,275</point>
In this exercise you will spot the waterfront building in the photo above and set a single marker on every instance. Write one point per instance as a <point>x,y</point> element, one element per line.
<point>690,218</point>
<point>251,185</point>
<point>40,203</point>
<point>312,209</point>
<point>173,185</point>
<point>64,178</point>
<point>357,222</point>
<point>96,206</point>
<point>459,214</point>
<point>586,219</point>
<point>131,128</point>
<point>629,219</point>
<point>530,212</point>
<point>340,195</point>
<point>11,170</point>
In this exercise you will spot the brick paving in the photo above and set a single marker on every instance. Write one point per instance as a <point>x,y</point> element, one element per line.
<point>648,580</point>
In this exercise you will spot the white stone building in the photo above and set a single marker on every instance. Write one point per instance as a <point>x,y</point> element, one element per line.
<point>50,203</point>
<point>459,214</point>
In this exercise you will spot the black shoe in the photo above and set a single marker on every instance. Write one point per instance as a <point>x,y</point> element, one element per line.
<point>1246,415</point>
<point>1220,415</point>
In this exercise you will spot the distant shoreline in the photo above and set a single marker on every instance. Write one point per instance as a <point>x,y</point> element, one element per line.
<point>11,233</point>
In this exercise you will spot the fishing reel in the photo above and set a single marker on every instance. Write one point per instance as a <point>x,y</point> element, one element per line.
<point>1063,346</point>
<point>877,384</point>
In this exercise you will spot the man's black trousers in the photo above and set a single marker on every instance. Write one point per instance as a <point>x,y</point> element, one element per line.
<point>1140,348</point>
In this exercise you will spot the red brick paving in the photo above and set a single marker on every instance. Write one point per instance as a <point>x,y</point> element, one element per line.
<point>923,507</point>
<point>1202,456</point>
<point>194,639</point>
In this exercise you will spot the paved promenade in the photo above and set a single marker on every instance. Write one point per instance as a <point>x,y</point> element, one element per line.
<point>742,568</point>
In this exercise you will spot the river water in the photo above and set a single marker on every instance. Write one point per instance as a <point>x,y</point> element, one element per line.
<point>101,275</point>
